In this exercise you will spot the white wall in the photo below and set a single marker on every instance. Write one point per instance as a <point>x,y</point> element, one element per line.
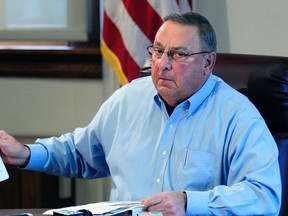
<point>45,107</point>
<point>248,26</point>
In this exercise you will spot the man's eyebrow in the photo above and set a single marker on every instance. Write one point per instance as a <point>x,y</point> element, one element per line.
<point>156,43</point>
<point>179,48</point>
<point>182,48</point>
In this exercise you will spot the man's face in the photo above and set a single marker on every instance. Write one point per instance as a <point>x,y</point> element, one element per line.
<point>177,81</point>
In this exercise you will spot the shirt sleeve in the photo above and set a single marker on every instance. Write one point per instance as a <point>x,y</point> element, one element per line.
<point>197,201</point>
<point>38,157</point>
<point>61,156</point>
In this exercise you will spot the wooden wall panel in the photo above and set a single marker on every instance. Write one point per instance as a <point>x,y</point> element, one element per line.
<point>58,62</point>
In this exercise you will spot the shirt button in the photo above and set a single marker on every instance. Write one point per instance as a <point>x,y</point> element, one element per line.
<point>171,126</point>
<point>164,153</point>
<point>158,180</point>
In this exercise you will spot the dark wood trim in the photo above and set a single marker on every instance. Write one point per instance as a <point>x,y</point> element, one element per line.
<point>46,61</point>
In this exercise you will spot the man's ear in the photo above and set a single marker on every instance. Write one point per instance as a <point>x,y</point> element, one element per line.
<point>210,62</point>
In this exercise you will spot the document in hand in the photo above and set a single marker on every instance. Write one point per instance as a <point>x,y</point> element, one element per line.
<point>101,208</point>
<point>3,172</point>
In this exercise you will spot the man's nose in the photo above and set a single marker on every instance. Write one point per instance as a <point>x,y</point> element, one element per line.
<point>165,61</point>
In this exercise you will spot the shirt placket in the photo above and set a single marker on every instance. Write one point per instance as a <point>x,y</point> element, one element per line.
<point>165,148</point>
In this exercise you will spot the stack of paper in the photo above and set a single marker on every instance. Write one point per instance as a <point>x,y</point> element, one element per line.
<point>101,208</point>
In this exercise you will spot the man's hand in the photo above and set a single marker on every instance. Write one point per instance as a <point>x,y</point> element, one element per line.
<point>13,152</point>
<point>169,203</point>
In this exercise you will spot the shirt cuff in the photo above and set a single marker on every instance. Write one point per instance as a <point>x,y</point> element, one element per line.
<point>197,202</point>
<point>38,157</point>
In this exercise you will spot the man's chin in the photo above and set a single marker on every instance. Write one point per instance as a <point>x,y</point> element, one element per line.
<point>164,91</point>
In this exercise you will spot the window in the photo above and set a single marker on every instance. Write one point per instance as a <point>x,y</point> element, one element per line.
<point>50,38</point>
<point>56,20</point>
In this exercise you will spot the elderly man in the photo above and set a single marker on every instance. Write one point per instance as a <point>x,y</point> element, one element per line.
<point>182,141</point>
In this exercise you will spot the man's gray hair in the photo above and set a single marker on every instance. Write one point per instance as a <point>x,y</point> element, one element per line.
<point>206,32</point>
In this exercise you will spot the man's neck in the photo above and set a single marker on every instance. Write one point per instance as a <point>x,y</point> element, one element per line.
<point>169,108</point>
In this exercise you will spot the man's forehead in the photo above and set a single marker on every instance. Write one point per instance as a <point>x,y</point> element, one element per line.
<point>174,47</point>
<point>175,35</point>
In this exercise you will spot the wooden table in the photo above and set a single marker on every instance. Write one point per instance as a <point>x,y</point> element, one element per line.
<point>35,212</point>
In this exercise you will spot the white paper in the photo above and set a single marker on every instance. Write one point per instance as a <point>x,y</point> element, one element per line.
<point>3,172</point>
<point>101,207</point>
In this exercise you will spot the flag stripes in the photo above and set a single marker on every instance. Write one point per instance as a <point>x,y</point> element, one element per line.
<point>115,53</point>
<point>145,17</point>
<point>129,26</point>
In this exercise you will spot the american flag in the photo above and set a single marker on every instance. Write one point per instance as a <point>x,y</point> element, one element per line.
<point>129,26</point>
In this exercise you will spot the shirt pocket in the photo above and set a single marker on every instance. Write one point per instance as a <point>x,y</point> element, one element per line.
<point>198,170</point>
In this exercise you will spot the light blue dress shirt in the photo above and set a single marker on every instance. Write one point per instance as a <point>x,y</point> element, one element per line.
<point>215,146</point>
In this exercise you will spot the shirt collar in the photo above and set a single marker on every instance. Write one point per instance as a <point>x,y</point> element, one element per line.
<point>195,100</point>
<point>201,95</point>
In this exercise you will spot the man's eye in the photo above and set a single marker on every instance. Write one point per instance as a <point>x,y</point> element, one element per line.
<point>159,51</point>
<point>180,54</point>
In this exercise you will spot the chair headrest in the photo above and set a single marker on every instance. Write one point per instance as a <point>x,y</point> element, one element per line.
<point>268,90</point>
